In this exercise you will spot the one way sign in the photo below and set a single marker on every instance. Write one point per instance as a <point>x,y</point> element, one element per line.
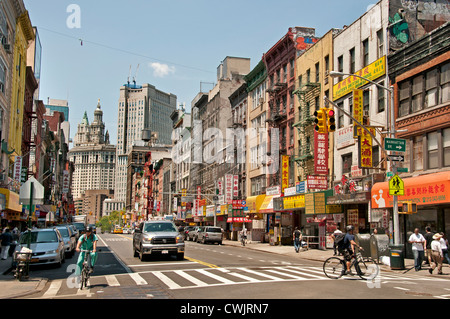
<point>396,158</point>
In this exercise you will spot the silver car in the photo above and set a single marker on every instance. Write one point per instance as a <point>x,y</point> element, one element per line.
<point>210,234</point>
<point>158,237</point>
<point>69,238</point>
<point>47,246</point>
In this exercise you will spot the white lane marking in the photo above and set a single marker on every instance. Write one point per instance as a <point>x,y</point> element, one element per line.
<point>214,276</point>
<point>244,277</point>
<point>303,273</point>
<point>169,282</point>
<point>261,274</point>
<point>190,278</point>
<point>401,288</point>
<point>53,289</point>
<point>138,279</point>
<point>112,281</point>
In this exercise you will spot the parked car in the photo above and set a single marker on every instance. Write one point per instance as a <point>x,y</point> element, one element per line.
<point>192,235</point>
<point>158,237</point>
<point>80,226</point>
<point>47,246</point>
<point>210,234</point>
<point>69,238</point>
<point>187,229</point>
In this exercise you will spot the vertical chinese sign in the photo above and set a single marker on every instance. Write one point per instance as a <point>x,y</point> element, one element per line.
<point>235,186</point>
<point>228,188</point>
<point>320,153</point>
<point>358,106</point>
<point>284,172</point>
<point>365,148</point>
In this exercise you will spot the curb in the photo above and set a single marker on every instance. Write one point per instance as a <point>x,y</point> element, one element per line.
<point>38,288</point>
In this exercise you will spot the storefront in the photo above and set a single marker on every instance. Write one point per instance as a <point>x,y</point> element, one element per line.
<point>272,220</point>
<point>431,194</point>
<point>11,213</point>
<point>293,215</point>
<point>252,209</point>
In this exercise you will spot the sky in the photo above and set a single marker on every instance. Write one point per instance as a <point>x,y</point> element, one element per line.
<point>88,46</point>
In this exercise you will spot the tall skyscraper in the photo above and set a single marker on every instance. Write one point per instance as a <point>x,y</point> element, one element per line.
<point>93,156</point>
<point>140,107</point>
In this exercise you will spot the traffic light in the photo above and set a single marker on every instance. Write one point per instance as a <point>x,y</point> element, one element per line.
<point>409,208</point>
<point>320,121</point>
<point>331,120</point>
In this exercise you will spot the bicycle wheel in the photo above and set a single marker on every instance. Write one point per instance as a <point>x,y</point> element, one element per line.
<point>367,269</point>
<point>333,267</point>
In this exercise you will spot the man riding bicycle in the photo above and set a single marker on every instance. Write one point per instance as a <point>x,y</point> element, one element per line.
<point>349,247</point>
<point>87,241</point>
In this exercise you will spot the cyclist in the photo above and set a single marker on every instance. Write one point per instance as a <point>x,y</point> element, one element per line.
<point>243,235</point>
<point>349,247</point>
<point>87,241</point>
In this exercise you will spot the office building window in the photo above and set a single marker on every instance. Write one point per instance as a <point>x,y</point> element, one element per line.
<point>432,141</point>
<point>445,83</point>
<point>431,88</point>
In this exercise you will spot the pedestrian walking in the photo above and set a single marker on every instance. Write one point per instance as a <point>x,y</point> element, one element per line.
<point>428,239</point>
<point>444,246</point>
<point>14,242</point>
<point>297,236</point>
<point>6,239</point>
<point>436,254</point>
<point>418,242</point>
<point>335,235</point>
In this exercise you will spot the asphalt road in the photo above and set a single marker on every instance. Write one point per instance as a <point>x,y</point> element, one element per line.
<point>212,271</point>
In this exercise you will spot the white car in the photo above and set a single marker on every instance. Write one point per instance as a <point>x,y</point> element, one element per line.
<point>127,230</point>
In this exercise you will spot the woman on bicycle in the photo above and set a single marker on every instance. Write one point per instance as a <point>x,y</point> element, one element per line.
<point>87,241</point>
<point>349,246</point>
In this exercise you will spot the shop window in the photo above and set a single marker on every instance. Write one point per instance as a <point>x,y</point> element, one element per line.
<point>432,141</point>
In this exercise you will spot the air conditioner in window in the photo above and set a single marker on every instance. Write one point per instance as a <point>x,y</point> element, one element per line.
<point>366,113</point>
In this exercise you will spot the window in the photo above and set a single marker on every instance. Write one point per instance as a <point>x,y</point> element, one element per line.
<point>352,61</point>
<point>350,103</point>
<point>285,73</point>
<point>327,63</point>
<point>375,156</point>
<point>365,45</point>
<point>432,141</point>
<point>2,76</point>
<point>308,76</point>
<point>417,88</point>
<point>404,98</point>
<point>418,153</point>
<point>366,102</point>
<point>431,91</point>
<point>340,65</point>
<point>380,40</point>
<point>347,163</point>
<point>446,145</point>
<point>292,71</point>
<point>340,123</point>
<point>317,103</point>
<point>445,83</point>
<point>381,99</point>
<point>317,73</point>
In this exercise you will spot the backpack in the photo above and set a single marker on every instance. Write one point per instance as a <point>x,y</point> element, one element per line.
<point>339,241</point>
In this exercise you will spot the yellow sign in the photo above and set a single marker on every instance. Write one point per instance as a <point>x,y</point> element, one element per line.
<point>284,172</point>
<point>291,202</point>
<point>371,72</point>
<point>365,146</point>
<point>396,186</point>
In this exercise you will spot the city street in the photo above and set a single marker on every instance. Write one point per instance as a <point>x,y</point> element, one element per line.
<point>226,271</point>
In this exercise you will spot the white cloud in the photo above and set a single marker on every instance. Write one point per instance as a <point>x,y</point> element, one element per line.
<point>161,70</point>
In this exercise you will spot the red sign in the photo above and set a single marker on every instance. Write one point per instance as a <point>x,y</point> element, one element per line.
<point>320,153</point>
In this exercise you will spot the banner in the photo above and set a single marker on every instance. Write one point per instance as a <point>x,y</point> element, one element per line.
<point>284,172</point>
<point>365,148</point>
<point>320,153</point>
<point>358,106</point>
<point>228,188</point>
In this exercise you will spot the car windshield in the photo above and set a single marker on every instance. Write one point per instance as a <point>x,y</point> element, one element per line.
<point>213,230</point>
<point>79,226</point>
<point>39,237</point>
<point>64,232</point>
<point>160,227</point>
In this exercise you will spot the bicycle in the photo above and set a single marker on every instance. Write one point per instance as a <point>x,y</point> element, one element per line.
<point>86,270</point>
<point>22,261</point>
<point>243,240</point>
<point>366,268</point>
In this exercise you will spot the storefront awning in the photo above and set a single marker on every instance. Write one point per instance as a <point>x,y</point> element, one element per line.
<point>430,189</point>
<point>254,203</point>
<point>12,200</point>
<point>267,205</point>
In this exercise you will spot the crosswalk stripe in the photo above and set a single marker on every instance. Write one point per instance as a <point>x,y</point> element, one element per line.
<point>138,279</point>
<point>53,289</point>
<point>112,280</point>
<point>169,282</point>
<point>244,277</point>
<point>260,274</point>
<point>303,273</point>
<point>284,274</point>
<point>214,276</point>
<point>192,279</point>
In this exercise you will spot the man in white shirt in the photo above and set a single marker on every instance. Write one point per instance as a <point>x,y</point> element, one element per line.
<point>417,240</point>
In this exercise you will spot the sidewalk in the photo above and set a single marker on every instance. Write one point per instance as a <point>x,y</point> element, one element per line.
<point>12,288</point>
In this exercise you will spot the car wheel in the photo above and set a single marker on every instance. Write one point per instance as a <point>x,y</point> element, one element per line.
<point>180,256</point>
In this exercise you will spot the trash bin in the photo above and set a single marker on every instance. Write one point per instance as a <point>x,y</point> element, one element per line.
<point>363,240</point>
<point>397,257</point>
<point>379,246</point>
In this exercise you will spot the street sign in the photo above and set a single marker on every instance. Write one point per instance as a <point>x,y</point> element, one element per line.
<point>396,158</point>
<point>396,186</point>
<point>395,144</point>
<point>402,169</point>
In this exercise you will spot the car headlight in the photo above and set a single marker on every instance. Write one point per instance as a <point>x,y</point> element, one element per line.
<point>180,239</point>
<point>51,252</point>
<point>147,238</point>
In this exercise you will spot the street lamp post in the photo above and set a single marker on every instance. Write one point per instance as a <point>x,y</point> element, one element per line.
<point>391,129</point>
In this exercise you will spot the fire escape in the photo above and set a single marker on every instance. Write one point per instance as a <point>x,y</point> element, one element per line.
<point>304,151</point>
